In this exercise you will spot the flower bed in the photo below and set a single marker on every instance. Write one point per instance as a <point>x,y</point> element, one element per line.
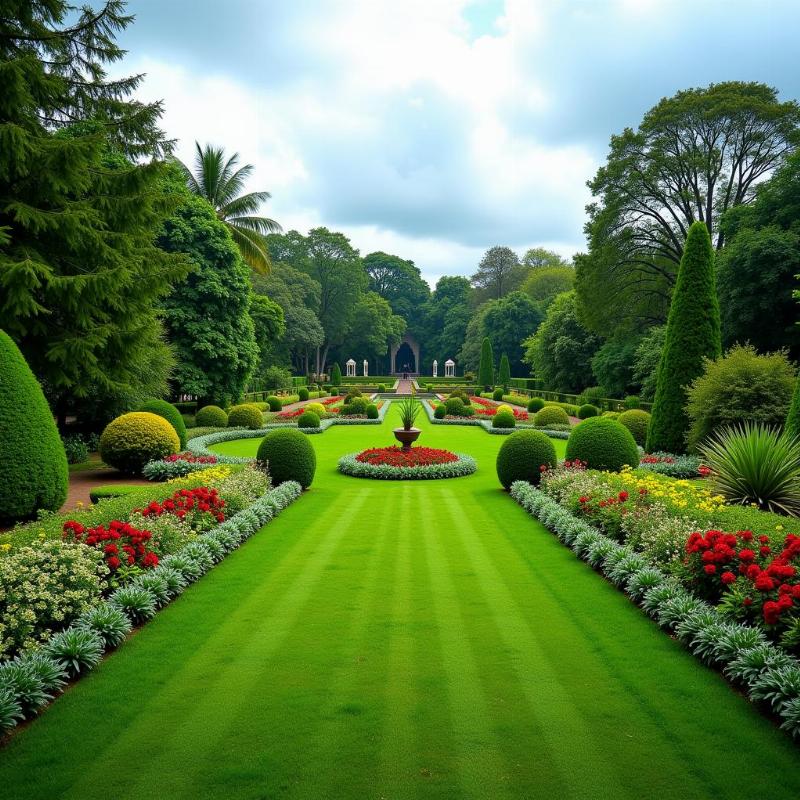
<point>676,466</point>
<point>176,466</point>
<point>765,671</point>
<point>32,679</point>
<point>486,424</point>
<point>393,463</point>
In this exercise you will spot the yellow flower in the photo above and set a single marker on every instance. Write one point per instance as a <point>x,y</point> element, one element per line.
<point>779,527</point>
<point>5,547</point>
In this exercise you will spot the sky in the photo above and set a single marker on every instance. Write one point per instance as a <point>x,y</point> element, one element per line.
<point>435,129</point>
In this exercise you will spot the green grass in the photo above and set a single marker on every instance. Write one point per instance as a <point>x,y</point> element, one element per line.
<point>401,640</point>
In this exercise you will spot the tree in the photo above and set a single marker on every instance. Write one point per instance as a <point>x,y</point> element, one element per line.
<point>445,317</point>
<point>486,368</point>
<point>693,334</point>
<point>504,378</point>
<point>470,354</point>
<point>508,321</point>
<point>561,350</point>
<point>613,363</point>
<point>336,375</point>
<point>540,258</point>
<point>208,316</point>
<point>498,273</point>
<point>373,327</point>
<point>80,200</point>
<point>757,266</point>
<point>399,281</point>
<point>694,156</point>
<point>218,181</point>
<point>646,359</point>
<point>544,284</point>
<point>269,325</point>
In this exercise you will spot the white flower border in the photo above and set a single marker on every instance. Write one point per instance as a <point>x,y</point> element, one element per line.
<point>349,465</point>
<point>765,671</point>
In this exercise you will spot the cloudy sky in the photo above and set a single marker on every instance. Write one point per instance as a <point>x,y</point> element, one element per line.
<point>435,129</point>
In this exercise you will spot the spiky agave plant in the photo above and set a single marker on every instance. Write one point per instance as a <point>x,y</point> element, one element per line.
<point>753,463</point>
<point>409,408</point>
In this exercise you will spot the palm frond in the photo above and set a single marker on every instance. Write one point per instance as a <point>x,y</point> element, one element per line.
<point>246,205</point>
<point>232,183</point>
<point>261,225</point>
<point>252,247</point>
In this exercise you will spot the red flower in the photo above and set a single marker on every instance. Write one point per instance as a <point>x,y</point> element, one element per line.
<point>728,577</point>
<point>746,555</point>
<point>748,601</point>
<point>764,583</point>
<point>710,569</point>
<point>772,612</point>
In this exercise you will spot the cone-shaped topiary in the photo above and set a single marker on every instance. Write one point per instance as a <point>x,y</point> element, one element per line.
<point>336,375</point>
<point>211,417</point>
<point>170,414</point>
<point>637,421</point>
<point>793,419</point>
<point>693,333</point>
<point>522,456</point>
<point>130,441</point>
<point>486,368</point>
<point>504,375</point>
<point>33,469</point>
<point>602,443</point>
<point>289,455</point>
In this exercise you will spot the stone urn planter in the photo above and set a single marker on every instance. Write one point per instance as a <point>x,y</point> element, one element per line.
<point>406,437</point>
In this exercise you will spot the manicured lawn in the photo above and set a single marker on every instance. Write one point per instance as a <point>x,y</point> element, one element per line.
<point>397,640</point>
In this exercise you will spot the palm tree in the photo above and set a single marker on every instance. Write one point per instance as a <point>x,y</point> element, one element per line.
<point>220,182</point>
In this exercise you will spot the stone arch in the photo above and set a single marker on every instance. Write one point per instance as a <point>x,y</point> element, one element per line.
<point>408,341</point>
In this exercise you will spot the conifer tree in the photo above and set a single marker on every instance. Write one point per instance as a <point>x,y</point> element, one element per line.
<point>792,426</point>
<point>693,333</point>
<point>486,367</point>
<point>504,377</point>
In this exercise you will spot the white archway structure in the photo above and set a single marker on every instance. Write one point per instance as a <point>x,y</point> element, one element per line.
<point>449,368</point>
<point>351,368</point>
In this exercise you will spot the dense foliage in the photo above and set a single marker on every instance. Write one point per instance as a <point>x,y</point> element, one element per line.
<point>171,414</point>
<point>522,456</point>
<point>602,443</point>
<point>289,455</point>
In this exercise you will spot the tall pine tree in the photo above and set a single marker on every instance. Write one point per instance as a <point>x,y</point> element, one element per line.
<point>80,201</point>
<point>504,377</point>
<point>693,333</point>
<point>486,367</point>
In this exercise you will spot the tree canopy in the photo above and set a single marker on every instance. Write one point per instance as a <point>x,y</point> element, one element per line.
<point>499,273</point>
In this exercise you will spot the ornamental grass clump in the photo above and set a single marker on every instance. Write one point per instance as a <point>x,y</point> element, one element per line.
<point>755,464</point>
<point>409,407</point>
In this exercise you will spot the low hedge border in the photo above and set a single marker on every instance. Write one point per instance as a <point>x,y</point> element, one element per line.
<point>348,465</point>
<point>487,425</point>
<point>765,671</point>
<point>31,680</point>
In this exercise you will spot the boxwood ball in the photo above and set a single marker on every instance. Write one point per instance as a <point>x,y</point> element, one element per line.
<point>602,443</point>
<point>289,455</point>
<point>522,455</point>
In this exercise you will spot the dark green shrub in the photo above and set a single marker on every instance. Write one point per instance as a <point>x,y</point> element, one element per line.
<point>274,403</point>
<point>130,441</point>
<point>454,406</point>
<point>588,410</point>
<point>602,443</point>
<point>593,395</point>
<point>522,456</point>
<point>486,368</point>
<point>289,455</point>
<point>170,414</point>
<point>372,411</point>
<point>535,404</point>
<point>189,421</point>
<point>440,411</point>
<point>497,394</point>
<point>33,469</point>
<point>693,334</point>
<point>211,417</point>
<point>302,393</point>
<point>467,411</point>
<point>741,385</point>
<point>246,415</point>
<point>793,419</point>
<point>99,493</point>
<point>550,415</point>
<point>336,376</point>
<point>636,421</point>
<point>357,405</point>
<point>504,373</point>
<point>381,387</point>
<point>503,419</point>
<point>631,401</point>
<point>75,448</point>
<point>308,419</point>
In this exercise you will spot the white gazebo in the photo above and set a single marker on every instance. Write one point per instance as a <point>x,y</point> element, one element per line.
<point>435,368</point>
<point>351,368</point>
<point>449,368</point>
<point>366,367</point>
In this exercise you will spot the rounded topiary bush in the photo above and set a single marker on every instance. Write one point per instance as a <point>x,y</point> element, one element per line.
<point>130,441</point>
<point>357,405</point>
<point>246,415</point>
<point>308,419</point>
<point>440,411</point>
<point>602,443</point>
<point>611,414</point>
<point>211,417</point>
<point>33,470</point>
<point>588,410</point>
<point>317,408</point>
<point>535,404</point>
<point>170,414</point>
<point>290,456</point>
<point>522,456</point>
<point>372,411</point>
<point>274,403</point>
<point>454,405</point>
<point>302,393</point>
<point>503,419</point>
<point>550,415</point>
<point>381,387</point>
<point>497,394</point>
<point>636,421</point>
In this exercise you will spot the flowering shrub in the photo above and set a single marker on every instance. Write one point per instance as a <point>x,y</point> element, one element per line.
<point>676,466</point>
<point>202,507</point>
<point>397,457</point>
<point>176,465</point>
<point>44,587</point>
<point>169,533</point>
<point>120,543</point>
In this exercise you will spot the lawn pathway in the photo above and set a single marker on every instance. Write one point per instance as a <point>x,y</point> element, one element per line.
<point>401,640</point>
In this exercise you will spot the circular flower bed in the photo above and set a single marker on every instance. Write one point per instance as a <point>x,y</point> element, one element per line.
<point>418,463</point>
